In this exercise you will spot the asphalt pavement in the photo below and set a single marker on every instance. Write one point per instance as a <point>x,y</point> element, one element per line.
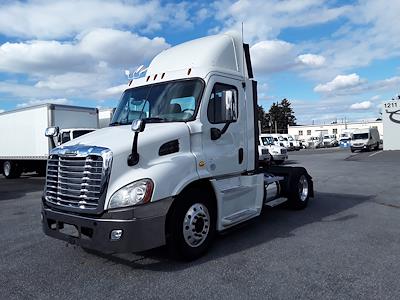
<point>345,245</point>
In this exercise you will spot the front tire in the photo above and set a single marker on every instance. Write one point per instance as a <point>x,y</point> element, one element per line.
<point>191,225</point>
<point>279,161</point>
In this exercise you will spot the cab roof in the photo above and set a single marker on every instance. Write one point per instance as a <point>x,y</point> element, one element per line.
<point>197,58</point>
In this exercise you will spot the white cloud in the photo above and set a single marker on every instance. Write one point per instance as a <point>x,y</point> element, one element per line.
<point>2,110</point>
<point>311,60</point>
<point>272,56</point>
<point>44,101</point>
<point>113,47</point>
<point>120,48</point>
<point>340,82</point>
<point>361,105</point>
<point>265,20</point>
<point>66,18</point>
<point>115,90</point>
<point>42,57</point>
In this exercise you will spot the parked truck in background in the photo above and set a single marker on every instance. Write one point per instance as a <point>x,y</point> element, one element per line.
<point>178,163</point>
<point>293,143</point>
<point>278,153</point>
<point>329,140</point>
<point>24,147</point>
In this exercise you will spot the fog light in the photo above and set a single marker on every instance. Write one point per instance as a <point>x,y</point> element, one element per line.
<point>116,234</point>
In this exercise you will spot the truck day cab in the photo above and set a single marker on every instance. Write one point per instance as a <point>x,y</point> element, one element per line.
<point>178,163</point>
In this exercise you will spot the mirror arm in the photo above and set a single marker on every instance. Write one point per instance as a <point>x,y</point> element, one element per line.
<point>217,133</point>
<point>133,158</point>
<point>225,128</point>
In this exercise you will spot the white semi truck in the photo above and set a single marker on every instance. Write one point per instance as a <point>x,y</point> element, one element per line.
<point>278,153</point>
<point>24,147</point>
<point>178,163</point>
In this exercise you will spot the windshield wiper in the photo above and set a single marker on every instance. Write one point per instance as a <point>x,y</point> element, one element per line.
<point>155,120</point>
<point>117,123</point>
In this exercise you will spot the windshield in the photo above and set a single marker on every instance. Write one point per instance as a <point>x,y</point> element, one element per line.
<point>290,138</point>
<point>267,140</point>
<point>280,138</point>
<point>360,136</point>
<point>163,102</point>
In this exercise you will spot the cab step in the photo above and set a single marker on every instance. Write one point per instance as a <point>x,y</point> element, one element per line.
<point>239,217</point>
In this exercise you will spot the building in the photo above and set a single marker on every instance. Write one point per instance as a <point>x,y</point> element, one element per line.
<point>303,132</point>
<point>391,123</point>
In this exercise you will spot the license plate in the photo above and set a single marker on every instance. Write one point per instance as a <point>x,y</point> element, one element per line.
<point>70,230</point>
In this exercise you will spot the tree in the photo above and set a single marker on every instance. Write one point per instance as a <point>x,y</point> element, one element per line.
<point>281,115</point>
<point>261,116</point>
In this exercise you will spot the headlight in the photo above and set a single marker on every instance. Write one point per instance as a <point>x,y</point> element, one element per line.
<point>137,192</point>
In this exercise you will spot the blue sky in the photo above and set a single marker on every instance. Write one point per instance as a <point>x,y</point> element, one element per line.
<point>331,59</point>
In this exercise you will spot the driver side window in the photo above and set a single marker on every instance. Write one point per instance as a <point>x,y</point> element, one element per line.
<point>223,104</point>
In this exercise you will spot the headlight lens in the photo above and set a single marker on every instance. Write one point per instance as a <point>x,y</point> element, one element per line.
<point>135,193</point>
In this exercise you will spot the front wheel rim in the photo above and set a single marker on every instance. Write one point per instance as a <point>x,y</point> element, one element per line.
<point>196,225</point>
<point>303,188</point>
<point>7,168</point>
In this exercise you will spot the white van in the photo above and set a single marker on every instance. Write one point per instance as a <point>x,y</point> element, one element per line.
<point>365,139</point>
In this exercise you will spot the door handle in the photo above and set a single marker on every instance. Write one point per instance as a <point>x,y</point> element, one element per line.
<point>240,155</point>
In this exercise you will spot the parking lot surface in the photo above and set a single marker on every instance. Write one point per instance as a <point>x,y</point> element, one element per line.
<point>345,245</point>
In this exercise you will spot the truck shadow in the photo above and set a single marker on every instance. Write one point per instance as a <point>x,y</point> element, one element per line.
<point>11,189</point>
<point>273,223</point>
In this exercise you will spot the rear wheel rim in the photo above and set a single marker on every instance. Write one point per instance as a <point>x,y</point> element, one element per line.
<point>7,168</point>
<point>196,225</point>
<point>303,188</point>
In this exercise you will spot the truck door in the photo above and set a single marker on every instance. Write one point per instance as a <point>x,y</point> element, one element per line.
<point>224,109</point>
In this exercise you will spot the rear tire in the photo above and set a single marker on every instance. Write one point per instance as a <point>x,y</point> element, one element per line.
<point>191,225</point>
<point>11,169</point>
<point>299,190</point>
<point>279,162</point>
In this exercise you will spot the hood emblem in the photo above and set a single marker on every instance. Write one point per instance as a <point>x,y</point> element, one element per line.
<point>70,153</point>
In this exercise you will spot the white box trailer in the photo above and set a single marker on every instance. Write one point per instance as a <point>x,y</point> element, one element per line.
<point>105,116</point>
<point>24,146</point>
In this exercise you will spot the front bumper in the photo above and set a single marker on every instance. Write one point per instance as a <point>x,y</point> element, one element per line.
<point>279,156</point>
<point>143,227</point>
<point>360,147</point>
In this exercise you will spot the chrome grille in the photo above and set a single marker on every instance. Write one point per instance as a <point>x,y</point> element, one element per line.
<point>74,182</point>
<point>283,151</point>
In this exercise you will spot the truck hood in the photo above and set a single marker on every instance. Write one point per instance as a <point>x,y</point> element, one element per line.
<point>119,138</point>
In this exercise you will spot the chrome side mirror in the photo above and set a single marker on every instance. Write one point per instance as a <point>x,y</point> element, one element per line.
<point>52,131</point>
<point>138,125</point>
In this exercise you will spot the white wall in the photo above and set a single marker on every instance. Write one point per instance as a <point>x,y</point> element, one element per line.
<point>391,124</point>
<point>306,131</point>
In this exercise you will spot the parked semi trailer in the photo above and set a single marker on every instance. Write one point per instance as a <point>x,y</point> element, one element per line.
<point>24,147</point>
<point>178,163</point>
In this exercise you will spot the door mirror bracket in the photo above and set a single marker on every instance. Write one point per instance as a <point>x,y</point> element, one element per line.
<point>216,133</point>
